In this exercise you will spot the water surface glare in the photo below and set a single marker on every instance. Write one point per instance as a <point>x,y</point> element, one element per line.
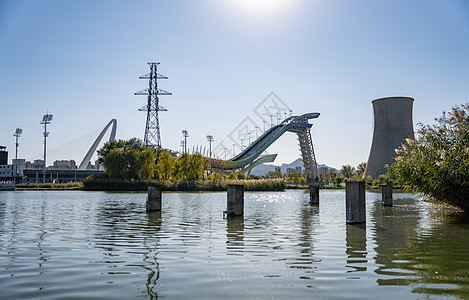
<point>97,245</point>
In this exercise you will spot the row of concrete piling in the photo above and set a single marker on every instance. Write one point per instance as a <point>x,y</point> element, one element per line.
<point>354,200</point>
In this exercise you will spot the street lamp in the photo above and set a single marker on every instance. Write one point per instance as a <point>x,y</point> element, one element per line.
<point>278,117</point>
<point>257,132</point>
<point>17,134</point>
<point>210,140</point>
<point>224,148</point>
<point>182,146</point>
<point>46,119</point>
<point>185,134</point>
<point>264,124</point>
<point>271,121</point>
<point>249,138</point>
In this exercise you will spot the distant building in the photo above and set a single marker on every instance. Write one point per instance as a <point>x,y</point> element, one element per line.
<point>38,164</point>
<point>3,155</point>
<point>278,169</point>
<point>18,166</point>
<point>58,176</point>
<point>64,165</point>
<point>6,172</point>
<point>323,171</point>
<point>297,169</point>
<point>98,166</point>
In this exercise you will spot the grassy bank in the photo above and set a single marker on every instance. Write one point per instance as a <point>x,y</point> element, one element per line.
<point>49,186</point>
<point>98,184</point>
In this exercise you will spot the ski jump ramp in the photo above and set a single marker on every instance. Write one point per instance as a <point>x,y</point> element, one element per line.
<point>252,155</point>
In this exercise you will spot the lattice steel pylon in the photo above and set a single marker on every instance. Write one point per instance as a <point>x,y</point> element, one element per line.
<point>152,127</point>
<point>307,152</point>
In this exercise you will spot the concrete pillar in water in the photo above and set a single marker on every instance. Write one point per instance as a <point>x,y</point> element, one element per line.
<point>154,199</point>
<point>386,190</point>
<point>355,202</point>
<point>235,200</point>
<point>314,194</point>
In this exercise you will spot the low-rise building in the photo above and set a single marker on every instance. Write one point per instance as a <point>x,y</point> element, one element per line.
<point>64,165</point>
<point>6,172</point>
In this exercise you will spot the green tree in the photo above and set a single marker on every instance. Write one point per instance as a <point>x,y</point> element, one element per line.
<point>233,176</point>
<point>197,166</point>
<point>331,175</point>
<point>127,159</point>
<point>436,162</point>
<point>361,168</point>
<point>165,165</point>
<point>338,180</point>
<point>191,167</point>
<point>347,171</point>
<point>145,166</point>
<point>181,166</point>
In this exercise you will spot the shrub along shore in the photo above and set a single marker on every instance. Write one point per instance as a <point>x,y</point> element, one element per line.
<point>106,184</point>
<point>49,186</point>
<point>100,184</point>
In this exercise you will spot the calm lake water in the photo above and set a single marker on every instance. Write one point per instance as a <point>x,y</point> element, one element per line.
<point>97,245</point>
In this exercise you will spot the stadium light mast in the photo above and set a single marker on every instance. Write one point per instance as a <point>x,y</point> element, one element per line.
<point>46,119</point>
<point>185,134</point>
<point>17,134</point>
<point>210,140</point>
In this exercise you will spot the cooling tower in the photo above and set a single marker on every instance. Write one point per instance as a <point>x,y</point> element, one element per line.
<point>392,125</point>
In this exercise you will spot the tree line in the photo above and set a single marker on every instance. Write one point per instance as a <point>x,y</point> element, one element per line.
<point>131,159</point>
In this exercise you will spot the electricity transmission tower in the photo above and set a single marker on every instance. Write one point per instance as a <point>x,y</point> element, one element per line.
<point>152,127</point>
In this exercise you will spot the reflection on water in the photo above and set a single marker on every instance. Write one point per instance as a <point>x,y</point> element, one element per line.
<point>235,235</point>
<point>356,247</point>
<point>420,246</point>
<point>103,245</point>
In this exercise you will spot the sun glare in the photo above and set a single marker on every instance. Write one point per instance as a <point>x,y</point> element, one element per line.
<point>261,8</point>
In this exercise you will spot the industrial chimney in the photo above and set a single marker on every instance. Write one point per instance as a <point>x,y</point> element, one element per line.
<point>392,125</point>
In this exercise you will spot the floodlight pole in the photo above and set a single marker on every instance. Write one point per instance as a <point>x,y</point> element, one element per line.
<point>185,134</point>
<point>17,135</point>
<point>210,140</point>
<point>45,120</point>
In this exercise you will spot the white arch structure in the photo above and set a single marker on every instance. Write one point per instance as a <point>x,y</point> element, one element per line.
<point>84,163</point>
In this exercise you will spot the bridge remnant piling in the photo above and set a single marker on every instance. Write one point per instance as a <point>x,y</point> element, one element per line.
<point>234,200</point>
<point>314,194</point>
<point>355,202</point>
<point>386,190</point>
<point>154,199</point>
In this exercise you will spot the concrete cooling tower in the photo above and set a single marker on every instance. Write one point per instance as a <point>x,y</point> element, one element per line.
<point>392,125</point>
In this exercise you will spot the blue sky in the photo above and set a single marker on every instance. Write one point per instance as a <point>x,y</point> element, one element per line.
<point>80,60</point>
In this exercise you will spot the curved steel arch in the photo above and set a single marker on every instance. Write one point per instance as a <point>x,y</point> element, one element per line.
<point>84,163</point>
